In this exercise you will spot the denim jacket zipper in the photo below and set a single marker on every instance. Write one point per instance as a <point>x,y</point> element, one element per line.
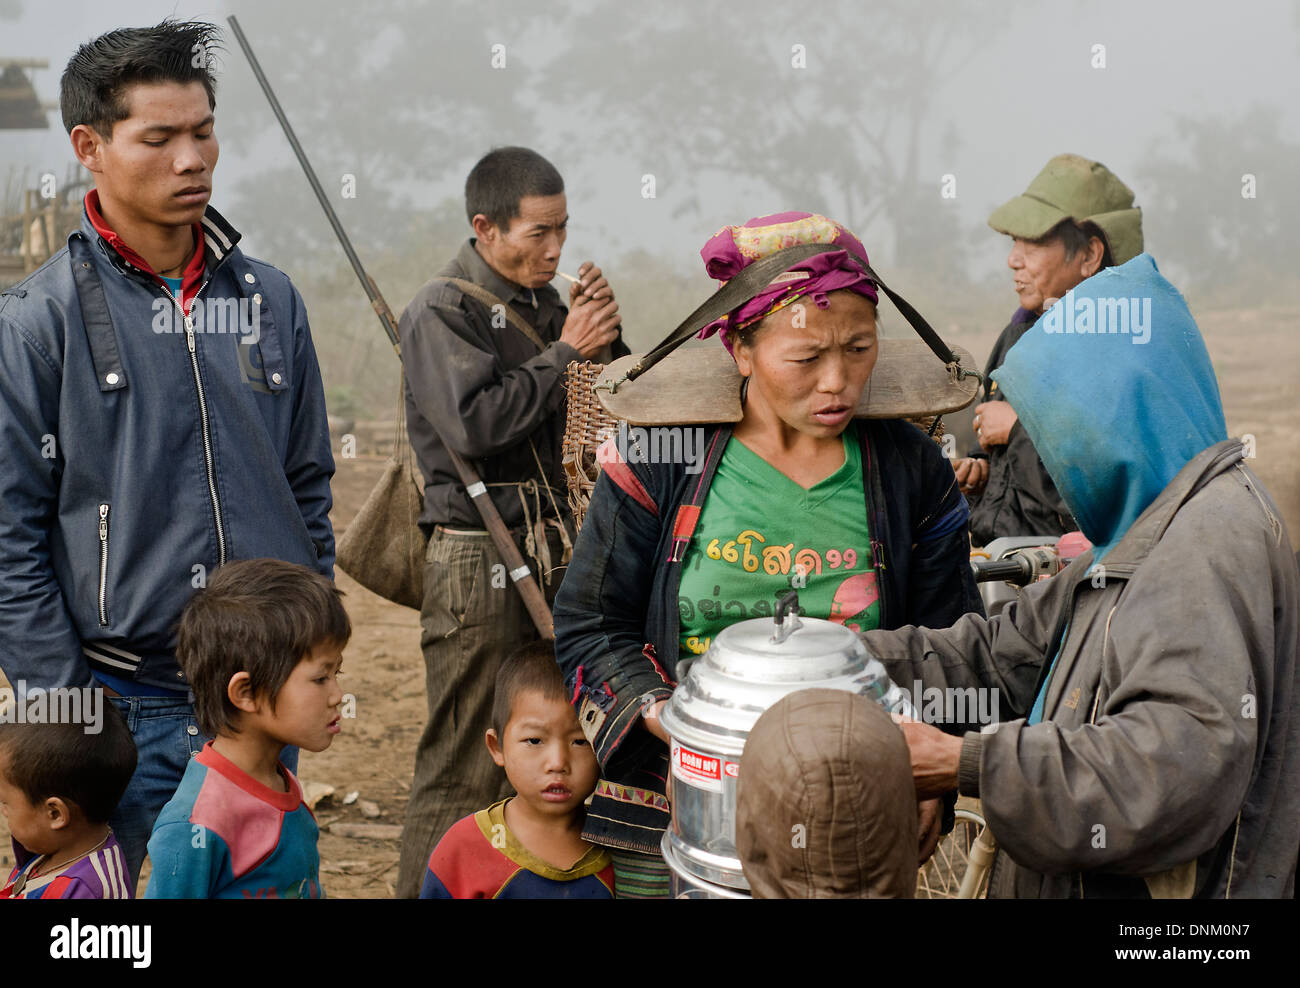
<point>206,428</point>
<point>103,565</point>
<point>203,419</point>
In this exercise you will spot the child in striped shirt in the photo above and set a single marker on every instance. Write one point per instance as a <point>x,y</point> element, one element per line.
<point>59,784</point>
<point>529,846</point>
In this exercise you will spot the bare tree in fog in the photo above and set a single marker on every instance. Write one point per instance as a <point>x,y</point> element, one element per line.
<point>825,104</point>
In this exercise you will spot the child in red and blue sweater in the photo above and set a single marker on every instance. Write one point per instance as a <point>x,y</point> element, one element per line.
<point>529,846</point>
<point>262,647</point>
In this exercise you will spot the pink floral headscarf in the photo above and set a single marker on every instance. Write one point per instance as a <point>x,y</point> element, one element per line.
<point>734,248</point>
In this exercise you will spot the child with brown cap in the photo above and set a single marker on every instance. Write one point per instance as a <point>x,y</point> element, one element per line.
<point>826,807</point>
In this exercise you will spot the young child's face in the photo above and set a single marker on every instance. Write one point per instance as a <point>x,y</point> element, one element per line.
<point>545,754</point>
<point>306,710</point>
<point>27,820</point>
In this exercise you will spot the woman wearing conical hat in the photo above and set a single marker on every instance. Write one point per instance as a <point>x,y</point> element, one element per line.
<point>864,517</point>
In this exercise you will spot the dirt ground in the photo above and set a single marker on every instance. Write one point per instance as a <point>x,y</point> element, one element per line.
<point>375,753</point>
<point>1255,355</point>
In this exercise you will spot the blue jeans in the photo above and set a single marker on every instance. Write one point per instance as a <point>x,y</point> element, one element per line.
<point>166,736</point>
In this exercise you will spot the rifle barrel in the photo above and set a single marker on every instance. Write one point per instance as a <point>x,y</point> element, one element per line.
<point>376,300</point>
<point>526,584</point>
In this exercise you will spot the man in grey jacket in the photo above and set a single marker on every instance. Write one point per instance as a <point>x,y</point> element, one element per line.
<point>1148,742</point>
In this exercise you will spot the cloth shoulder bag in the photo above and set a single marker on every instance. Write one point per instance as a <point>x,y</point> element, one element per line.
<point>383,548</point>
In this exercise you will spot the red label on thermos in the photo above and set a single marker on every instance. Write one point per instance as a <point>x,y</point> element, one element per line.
<point>697,769</point>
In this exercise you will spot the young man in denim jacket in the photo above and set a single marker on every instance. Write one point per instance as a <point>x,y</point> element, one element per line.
<point>162,411</point>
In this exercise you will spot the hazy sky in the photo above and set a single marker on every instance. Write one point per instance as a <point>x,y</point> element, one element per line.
<point>1029,94</point>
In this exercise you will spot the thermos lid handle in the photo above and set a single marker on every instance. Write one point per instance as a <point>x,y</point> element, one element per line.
<point>786,617</point>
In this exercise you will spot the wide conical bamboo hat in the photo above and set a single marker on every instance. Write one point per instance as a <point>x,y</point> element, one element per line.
<point>701,385</point>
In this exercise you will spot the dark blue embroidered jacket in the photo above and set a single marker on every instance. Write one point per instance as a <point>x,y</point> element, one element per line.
<point>620,595</point>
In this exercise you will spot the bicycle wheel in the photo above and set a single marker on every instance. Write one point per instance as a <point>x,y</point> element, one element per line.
<point>941,877</point>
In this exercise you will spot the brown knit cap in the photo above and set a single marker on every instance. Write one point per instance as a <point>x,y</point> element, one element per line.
<point>826,807</point>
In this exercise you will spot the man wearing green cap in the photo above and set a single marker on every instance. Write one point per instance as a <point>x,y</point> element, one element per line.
<point>1075,218</point>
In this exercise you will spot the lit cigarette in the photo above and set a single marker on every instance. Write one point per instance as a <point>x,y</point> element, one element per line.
<point>576,281</point>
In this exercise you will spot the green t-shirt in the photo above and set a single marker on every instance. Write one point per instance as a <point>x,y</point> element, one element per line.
<point>759,530</point>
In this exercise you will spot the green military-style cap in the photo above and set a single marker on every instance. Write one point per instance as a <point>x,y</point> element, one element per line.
<point>1074,188</point>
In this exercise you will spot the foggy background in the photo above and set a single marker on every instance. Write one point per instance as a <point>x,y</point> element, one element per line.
<point>708,99</point>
